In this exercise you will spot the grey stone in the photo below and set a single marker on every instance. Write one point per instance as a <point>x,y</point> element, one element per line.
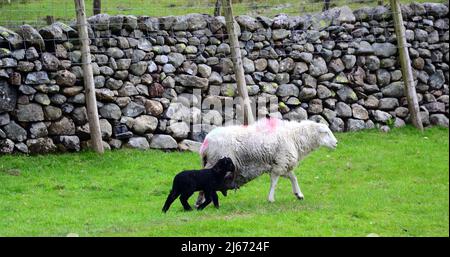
<point>52,112</point>
<point>247,22</point>
<point>346,94</point>
<point>191,81</point>
<point>139,68</point>
<point>22,147</point>
<point>387,104</point>
<point>64,126</point>
<point>105,128</point>
<point>71,143</point>
<point>383,77</point>
<point>12,38</point>
<point>6,146</point>
<point>298,114</point>
<point>29,112</point>
<point>337,125</point>
<point>4,119</point>
<point>189,145</point>
<point>104,94</point>
<point>287,90</point>
<point>133,109</point>
<point>39,77</point>
<point>15,132</point>
<point>27,90</point>
<point>359,112</point>
<point>355,125</point>
<point>279,34</point>
<point>42,99</point>
<point>384,49</point>
<point>394,89</point>
<point>439,120</point>
<point>8,97</point>
<point>318,67</point>
<point>436,80</point>
<point>144,124</point>
<point>163,142</point>
<point>50,62</point>
<point>65,78</point>
<point>336,66</point>
<point>41,145</point>
<point>364,48</point>
<point>38,129</point>
<point>381,116</point>
<point>140,143</point>
<point>343,110</point>
<point>179,130</point>
<point>434,107</point>
<point>307,93</point>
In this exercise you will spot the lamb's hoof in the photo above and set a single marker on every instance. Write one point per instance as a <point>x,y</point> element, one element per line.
<point>271,200</point>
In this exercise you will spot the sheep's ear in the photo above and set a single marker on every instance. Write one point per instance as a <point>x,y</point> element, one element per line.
<point>323,129</point>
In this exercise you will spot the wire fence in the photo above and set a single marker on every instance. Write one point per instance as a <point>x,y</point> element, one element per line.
<point>42,12</point>
<point>27,12</point>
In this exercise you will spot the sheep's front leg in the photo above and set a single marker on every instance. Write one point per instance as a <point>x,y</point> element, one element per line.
<point>273,184</point>
<point>200,199</point>
<point>295,187</point>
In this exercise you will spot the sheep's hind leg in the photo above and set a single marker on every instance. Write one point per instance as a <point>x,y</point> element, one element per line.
<point>273,184</point>
<point>295,187</point>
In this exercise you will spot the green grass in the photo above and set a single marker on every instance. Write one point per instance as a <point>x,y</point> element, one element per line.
<point>34,12</point>
<point>394,184</point>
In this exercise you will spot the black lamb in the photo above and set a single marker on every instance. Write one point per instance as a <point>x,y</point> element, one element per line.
<point>218,178</point>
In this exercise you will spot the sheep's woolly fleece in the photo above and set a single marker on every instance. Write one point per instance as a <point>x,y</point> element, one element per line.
<point>269,145</point>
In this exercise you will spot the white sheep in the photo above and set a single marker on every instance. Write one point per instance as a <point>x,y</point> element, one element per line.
<point>269,145</point>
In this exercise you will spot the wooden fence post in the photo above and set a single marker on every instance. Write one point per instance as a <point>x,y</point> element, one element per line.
<point>237,62</point>
<point>91,101</point>
<point>405,62</point>
<point>97,6</point>
<point>217,7</point>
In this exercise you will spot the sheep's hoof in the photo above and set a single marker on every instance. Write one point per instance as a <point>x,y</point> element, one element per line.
<point>300,197</point>
<point>271,200</point>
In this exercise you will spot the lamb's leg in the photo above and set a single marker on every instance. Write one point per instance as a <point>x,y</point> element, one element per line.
<point>273,183</point>
<point>215,199</point>
<point>184,200</point>
<point>172,196</point>
<point>295,187</point>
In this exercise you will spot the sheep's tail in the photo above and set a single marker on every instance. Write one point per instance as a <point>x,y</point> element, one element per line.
<point>172,196</point>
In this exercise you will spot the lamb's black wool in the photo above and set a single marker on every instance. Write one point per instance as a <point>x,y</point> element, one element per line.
<point>185,183</point>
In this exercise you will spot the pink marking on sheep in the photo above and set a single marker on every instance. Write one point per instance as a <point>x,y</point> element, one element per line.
<point>204,146</point>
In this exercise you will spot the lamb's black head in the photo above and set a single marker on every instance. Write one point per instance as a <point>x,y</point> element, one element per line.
<point>225,166</point>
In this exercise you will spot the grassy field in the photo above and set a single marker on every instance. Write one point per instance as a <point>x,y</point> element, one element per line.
<point>394,184</point>
<point>34,12</point>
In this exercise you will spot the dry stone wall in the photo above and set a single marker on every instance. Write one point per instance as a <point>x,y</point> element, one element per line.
<point>339,67</point>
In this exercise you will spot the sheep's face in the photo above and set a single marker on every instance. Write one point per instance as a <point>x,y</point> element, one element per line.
<point>326,137</point>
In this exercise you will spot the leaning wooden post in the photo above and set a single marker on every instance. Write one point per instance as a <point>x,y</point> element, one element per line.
<point>91,101</point>
<point>237,62</point>
<point>405,62</point>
